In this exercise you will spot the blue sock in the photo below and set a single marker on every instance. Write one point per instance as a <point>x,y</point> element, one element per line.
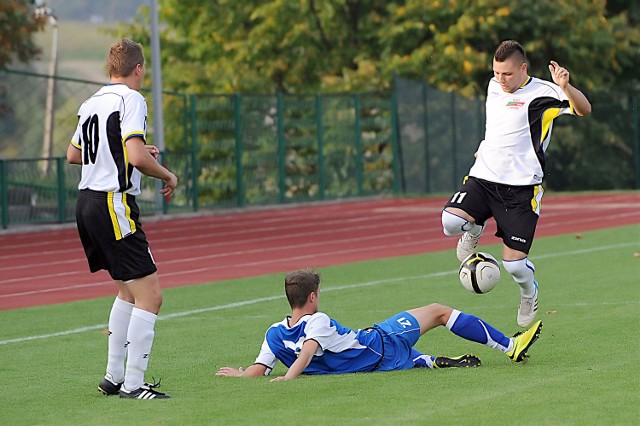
<point>473,328</point>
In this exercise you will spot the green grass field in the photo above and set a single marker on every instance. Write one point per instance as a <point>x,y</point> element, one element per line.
<point>582,371</point>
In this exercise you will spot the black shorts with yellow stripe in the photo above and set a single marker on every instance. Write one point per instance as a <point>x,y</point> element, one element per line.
<point>516,209</point>
<point>110,231</point>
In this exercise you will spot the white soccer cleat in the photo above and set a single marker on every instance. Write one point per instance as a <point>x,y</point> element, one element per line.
<point>466,245</point>
<point>528,308</point>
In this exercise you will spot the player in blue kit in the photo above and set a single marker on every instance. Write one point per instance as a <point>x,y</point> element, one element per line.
<point>309,342</point>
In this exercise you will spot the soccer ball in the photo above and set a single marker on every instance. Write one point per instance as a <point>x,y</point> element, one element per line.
<point>479,273</point>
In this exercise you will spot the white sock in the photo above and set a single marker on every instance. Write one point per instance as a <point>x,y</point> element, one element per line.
<point>474,229</point>
<point>117,350</point>
<point>522,272</point>
<point>140,336</point>
<point>428,361</point>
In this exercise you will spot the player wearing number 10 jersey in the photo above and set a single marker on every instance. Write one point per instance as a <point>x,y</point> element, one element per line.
<point>109,143</point>
<point>107,120</point>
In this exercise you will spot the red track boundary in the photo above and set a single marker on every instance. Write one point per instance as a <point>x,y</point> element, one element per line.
<point>44,267</point>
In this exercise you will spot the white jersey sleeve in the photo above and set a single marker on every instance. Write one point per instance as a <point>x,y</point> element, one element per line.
<point>330,335</point>
<point>320,329</point>
<point>266,357</point>
<point>134,116</point>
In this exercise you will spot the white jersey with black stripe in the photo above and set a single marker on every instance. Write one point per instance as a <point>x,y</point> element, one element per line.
<point>114,114</point>
<point>518,131</point>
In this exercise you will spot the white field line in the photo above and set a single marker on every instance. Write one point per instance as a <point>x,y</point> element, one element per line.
<point>325,289</point>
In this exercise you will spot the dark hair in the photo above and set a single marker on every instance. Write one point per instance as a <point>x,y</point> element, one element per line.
<point>299,285</point>
<point>123,58</point>
<point>509,48</point>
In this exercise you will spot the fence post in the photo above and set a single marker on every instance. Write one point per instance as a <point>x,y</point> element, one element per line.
<point>237,112</point>
<point>164,159</point>
<point>425,125</point>
<point>166,206</point>
<point>281,153</point>
<point>358,109</point>
<point>4,194</point>
<point>320,136</point>
<point>62,193</point>
<point>195,167</point>
<point>454,140</point>
<point>394,144</point>
<point>635,118</point>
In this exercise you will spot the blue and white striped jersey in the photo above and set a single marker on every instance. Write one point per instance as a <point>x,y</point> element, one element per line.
<point>341,349</point>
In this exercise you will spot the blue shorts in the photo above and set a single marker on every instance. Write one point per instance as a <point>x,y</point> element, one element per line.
<point>399,334</point>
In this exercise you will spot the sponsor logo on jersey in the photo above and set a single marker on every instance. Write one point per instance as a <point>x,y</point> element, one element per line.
<point>515,104</point>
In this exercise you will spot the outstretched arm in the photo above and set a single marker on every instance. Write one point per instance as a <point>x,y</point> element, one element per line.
<point>307,352</point>
<point>255,370</point>
<point>577,99</point>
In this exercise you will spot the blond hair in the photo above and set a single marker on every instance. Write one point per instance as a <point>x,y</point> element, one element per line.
<point>124,56</point>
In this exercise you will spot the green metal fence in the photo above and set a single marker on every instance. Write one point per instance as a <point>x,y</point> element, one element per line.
<point>439,132</point>
<point>248,150</point>
<point>228,150</point>
<point>259,149</point>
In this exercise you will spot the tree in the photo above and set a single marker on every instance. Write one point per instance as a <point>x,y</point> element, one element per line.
<point>311,46</point>
<point>357,45</point>
<point>17,26</point>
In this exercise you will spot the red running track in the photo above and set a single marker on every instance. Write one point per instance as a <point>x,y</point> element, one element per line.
<point>44,267</point>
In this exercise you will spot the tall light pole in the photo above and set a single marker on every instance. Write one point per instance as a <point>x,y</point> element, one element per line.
<point>47,139</point>
<point>156,79</point>
<point>156,88</point>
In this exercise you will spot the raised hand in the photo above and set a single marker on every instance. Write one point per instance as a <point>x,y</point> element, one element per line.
<point>559,75</point>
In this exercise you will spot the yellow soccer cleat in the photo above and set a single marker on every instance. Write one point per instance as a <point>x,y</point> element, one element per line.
<point>523,341</point>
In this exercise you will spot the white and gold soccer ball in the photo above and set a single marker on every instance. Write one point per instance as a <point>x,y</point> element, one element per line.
<point>479,273</point>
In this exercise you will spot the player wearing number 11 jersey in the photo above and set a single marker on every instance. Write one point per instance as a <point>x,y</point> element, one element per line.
<point>109,144</point>
<point>505,180</point>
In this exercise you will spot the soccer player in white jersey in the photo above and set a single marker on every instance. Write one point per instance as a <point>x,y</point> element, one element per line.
<point>505,182</point>
<point>109,143</point>
<point>309,342</point>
